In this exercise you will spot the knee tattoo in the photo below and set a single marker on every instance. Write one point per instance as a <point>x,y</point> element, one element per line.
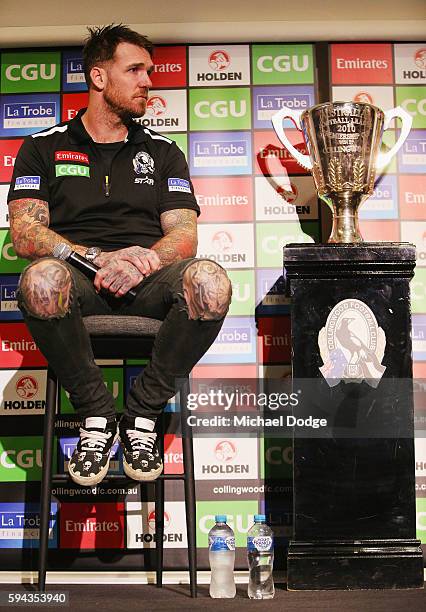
<point>45,287</point>
<point>207,290</point>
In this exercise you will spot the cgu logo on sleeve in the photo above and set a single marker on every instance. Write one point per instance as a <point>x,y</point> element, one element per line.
<point>352,345</point>
<point>27,72</point>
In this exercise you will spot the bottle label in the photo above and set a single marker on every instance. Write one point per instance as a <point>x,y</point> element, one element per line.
<point>260,543</point>
<point>220,543</point>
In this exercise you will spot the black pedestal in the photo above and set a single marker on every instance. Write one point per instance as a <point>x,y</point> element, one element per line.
<point>354,496</point>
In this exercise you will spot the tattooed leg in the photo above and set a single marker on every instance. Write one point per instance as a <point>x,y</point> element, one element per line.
<point>207,290</point>
<point>46,288</point>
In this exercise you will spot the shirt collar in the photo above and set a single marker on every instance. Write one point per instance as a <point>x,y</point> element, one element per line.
<point>78,133</point>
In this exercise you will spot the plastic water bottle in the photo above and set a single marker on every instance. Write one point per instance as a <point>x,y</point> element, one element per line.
<point>260,554</point>
<point>222,559</point>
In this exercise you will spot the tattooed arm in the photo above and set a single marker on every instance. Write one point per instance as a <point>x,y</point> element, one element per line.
<point>180,235</point>
<point>29,228</point>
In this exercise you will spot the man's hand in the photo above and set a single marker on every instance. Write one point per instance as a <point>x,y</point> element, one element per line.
<point>117,276</point>
<point>146,261</point>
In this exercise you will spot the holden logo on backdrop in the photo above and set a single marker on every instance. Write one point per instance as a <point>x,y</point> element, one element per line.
<point>219,60</point>
<point>26,387</point>
<point>156,106</point>
<point>364,97</point>
<point>151,520</point>
<point>420,58</point>
<point>352,345</point>
<point>225,450</point>
<point>222,241</point>
<point>289,195</point>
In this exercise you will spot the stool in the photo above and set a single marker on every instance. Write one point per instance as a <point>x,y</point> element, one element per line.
<point>121,337</point>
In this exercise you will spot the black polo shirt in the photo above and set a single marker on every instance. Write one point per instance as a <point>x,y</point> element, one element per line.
<point>109,201</point>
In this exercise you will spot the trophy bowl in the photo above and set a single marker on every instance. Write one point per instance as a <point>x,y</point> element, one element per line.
<point>343,140</point>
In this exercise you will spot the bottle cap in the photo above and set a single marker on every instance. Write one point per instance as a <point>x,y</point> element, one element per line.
<point>259,518</point>
<point>220,518</point>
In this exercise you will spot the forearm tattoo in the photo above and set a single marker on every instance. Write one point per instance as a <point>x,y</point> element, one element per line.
<point>180,236</point>
<point>207,290</point>
<point>46,288</point>
<point>31,236</point>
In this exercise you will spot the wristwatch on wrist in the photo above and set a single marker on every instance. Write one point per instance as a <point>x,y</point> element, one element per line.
<point>92,253</point>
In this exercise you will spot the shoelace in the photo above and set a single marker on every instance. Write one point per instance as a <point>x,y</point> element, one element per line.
<point>92,440</point>
<point>141,440</point>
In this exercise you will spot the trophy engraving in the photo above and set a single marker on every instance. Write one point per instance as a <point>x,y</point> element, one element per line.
<point>343,141</point>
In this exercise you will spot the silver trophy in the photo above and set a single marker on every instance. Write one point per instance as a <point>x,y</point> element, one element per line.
<point>343,140</point>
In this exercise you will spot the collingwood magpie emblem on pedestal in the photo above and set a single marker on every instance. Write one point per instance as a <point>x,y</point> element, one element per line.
<point>352,345</point>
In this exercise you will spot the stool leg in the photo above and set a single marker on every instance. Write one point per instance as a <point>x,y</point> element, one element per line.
<point>159,511</point>
<point>189,486</point>
<point>46,483</point>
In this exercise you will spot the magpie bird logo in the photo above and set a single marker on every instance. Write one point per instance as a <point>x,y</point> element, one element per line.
<point>352,345</point>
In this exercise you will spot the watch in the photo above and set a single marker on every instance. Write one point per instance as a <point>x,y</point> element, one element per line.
<point>92,253</point>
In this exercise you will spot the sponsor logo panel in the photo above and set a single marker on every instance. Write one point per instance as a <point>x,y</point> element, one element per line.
<point>23,115</point>
<point>181,140</point>
<point>239,517</point>
<point>140,519</point>
<point>220,109</point>
<point>92,525</point>
<point>268,100</point>
<point>8,305</point>
<point>20,525</point>
<point>286,199</point>
<point>224,65</point>
<point>270,296</point>
<point>421,519</point>
<point>28,71</point>
<point>242,292</point>
<point>220,154</point>
<point>165,111</point>
<point>419,323</point>
<point>383,203</point>
<point>225,458</point>
<point>272,158</point>
<point>73,72</point>
<point>282,64</point>
<point>418,290</point>
<point>4,211</point>
<point>21,458</point>
<point>413,100</point>
<point>9,261</point>
<point>272,237</point>
<point>8,152</point>
<point>169,67</point>
<point>22,392</point>
<point>221,371</point>
<point>412,197</point>
<point>276,456</point>
<point>410,63</point>
<point>235,343</point>
<point>361,63</point>
<point>17,347</point>
<point>231,244</point>
<point>415,232</point>
<point>274,339</point>
<point>378,231</point>
<point>173,455</point>
<point>370,94</point>
<point>114,382</point>
<point>412,155</point>
<point>72,103</point>
<point>228,199</point>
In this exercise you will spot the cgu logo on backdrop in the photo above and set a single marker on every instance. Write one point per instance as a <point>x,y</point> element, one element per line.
<point>30,72</point>
<point>220,109</point>
<point>20,459</point>
<point>282,64</point>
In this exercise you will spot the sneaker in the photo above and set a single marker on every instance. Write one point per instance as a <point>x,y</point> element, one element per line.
<point>141,459</point>
<point>89,462</point>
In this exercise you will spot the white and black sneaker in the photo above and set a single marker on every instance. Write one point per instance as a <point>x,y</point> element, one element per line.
<point>141,459</point>
<point>89,462</point>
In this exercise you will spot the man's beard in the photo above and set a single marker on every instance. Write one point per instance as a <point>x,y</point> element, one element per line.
<point>125,113</point>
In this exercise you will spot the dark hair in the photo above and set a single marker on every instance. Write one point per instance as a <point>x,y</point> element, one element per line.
<point>101,43</point>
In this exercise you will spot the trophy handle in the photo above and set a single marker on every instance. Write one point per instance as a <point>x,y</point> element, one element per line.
<point>384,158</point>
<point>277,122</point>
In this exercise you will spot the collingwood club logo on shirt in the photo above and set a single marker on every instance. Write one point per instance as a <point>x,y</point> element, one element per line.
<point>352,345</point>
<point>143,164</point>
